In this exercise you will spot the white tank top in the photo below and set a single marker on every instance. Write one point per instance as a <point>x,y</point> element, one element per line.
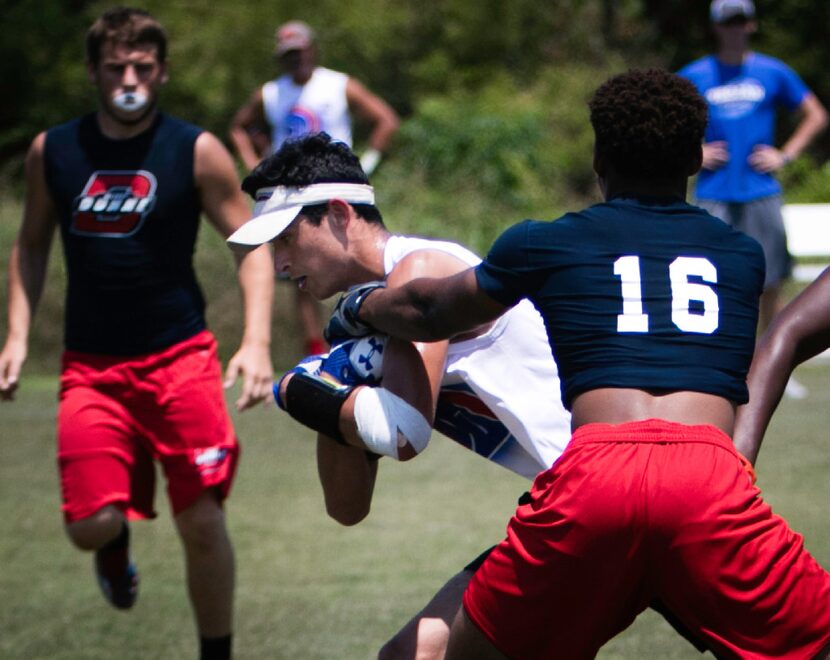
<point>500,393</point>
<point>294,110</point>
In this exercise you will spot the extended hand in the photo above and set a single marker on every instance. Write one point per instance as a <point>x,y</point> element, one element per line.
<point>253,363</point>
<point>11,362</point>
<point>344,323</point>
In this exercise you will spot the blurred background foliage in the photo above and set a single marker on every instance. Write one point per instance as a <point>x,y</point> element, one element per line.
<point>488,90</point>
<point>492,94</point>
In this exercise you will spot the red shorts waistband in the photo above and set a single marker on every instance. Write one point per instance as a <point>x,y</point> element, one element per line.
<point>203,339</point>
<point>652,431</point>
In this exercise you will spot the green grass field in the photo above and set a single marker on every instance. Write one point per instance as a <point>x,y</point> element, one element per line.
<point>308,588</point>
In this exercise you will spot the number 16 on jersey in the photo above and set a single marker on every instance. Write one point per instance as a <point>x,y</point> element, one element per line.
<point>701,317</point>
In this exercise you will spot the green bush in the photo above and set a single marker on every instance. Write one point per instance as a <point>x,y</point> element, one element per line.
<point>469,164</point>
<point>804,182</point>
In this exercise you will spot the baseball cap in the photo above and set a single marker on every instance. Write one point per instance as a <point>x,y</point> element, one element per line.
<point>294,35</point>
<point>723,10</point>
<point>278,206</point>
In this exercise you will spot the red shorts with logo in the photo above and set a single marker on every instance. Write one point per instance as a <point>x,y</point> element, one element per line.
<point>116,415</point>
<point>648,510</point>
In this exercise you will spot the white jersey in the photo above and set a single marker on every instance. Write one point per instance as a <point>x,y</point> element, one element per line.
<point>294,110</point>
<point>500,393</point>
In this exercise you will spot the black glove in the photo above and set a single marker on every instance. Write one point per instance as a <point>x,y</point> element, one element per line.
<point>344,323</point>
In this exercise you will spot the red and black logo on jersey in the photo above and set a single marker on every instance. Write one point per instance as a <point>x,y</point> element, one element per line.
<point>114,204</point>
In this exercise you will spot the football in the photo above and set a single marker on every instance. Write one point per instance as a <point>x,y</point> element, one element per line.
<point>357,361</point>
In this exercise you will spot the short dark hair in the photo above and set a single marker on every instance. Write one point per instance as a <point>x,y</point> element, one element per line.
<point>312,159</point>
<point>649,124</point>
<point>125,25</point>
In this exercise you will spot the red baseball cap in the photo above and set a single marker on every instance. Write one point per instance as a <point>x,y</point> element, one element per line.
<point>294,35</point>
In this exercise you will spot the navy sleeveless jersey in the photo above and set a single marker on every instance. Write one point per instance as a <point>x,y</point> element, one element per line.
<point>637,293</point>
<point>129,214</point>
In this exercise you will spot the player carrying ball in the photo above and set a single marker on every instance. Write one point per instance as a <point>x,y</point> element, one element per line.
<point>494,390</point>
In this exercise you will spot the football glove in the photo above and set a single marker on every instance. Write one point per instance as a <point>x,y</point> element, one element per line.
<point>344,323</point>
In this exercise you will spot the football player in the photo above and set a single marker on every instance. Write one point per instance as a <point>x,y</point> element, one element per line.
<point>140,377</point>
<point>651,306</point>
<point>493,389</point>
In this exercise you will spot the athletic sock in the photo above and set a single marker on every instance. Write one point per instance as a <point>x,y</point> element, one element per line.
<point>113,558</point>
<point>215,648</point>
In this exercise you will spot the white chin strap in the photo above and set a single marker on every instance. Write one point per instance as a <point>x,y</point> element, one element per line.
<point>386,422</point>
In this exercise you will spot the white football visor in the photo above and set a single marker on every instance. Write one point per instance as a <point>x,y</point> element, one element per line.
<point>277,207</point>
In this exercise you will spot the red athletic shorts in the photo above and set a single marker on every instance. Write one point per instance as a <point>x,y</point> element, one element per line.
<point>118,414</point>
<point>649,510</point>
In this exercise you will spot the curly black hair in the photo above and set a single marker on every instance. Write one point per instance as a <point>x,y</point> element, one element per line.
<point>649,124</point>
<point>315,158</point>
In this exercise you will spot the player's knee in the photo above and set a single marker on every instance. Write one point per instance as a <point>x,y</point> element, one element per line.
<point>202,525</point>
<point>427,640</point>
<point>95,531</point>
<point>348,517</point>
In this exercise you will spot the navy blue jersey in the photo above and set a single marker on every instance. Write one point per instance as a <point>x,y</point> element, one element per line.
<point>636,293</point>
<point>129,214</point>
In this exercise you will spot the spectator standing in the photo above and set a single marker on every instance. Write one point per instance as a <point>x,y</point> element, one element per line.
<point>743,90</point>
<point>308,98</point>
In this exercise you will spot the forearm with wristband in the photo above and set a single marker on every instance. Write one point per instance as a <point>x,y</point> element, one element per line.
<point>312,399</point>
<point>320,385</point>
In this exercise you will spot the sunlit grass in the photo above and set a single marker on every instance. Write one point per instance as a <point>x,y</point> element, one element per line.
<point>308,588</point>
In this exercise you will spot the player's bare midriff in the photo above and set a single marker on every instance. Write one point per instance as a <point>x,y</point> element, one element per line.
<point>620,405</point>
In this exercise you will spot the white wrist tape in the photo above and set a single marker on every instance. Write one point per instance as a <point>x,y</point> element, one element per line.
<point>385,422</point>
<point>369,160</point>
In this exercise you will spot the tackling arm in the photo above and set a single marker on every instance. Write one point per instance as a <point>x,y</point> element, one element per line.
<point>430,309</point>
<point>227,209</point>
<point>27,268</point>
<point>799,332</point>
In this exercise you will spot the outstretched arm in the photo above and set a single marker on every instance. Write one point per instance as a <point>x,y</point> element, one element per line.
<point>430,309</point>
<point>27,268</point>
<point>227,209</point>
<point>799,332</point>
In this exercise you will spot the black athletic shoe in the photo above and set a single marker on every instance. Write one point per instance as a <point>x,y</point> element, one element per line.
<point>119,585</point>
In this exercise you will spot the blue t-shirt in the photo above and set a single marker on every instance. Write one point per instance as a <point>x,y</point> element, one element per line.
<point>742,104</point>
<point>636,293</point>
